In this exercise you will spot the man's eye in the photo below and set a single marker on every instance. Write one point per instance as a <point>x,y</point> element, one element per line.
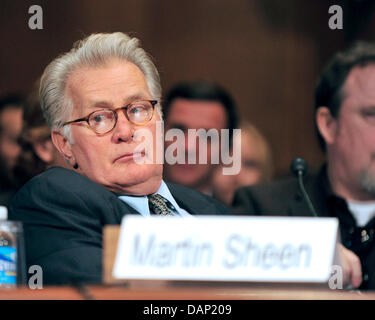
<point>99,118</point>
<point>137,109</point>
<point>368,113</point>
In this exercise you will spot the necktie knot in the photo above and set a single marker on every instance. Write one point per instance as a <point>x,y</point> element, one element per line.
<point>158,205</point>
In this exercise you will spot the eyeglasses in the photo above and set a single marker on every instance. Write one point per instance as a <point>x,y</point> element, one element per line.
<point>104,120</point>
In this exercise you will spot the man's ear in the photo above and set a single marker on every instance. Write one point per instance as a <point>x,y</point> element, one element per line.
<point>327,124</point>
<point>65,148</point>
<point>44,150</point>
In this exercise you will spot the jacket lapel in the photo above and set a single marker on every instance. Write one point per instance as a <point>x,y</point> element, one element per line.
<point>188,200</point>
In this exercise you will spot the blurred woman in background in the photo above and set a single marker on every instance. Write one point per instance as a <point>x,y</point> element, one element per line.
<point>256,164</point>
<point>38,152</point>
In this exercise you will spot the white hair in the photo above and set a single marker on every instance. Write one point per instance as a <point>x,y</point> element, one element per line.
<point>92,51</point>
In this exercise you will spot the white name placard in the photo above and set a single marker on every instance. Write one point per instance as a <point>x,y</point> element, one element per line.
<point>230,248</point>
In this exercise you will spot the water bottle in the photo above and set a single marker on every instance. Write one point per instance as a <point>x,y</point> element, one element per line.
<point>11,251</point>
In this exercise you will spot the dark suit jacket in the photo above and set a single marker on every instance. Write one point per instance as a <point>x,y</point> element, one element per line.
<point>284,198</point>
<point>64,213</point>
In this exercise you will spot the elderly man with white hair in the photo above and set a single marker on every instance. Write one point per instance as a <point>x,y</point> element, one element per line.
<point>95,98</point>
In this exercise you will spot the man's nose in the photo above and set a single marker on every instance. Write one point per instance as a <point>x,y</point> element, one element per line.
<point>124,129</point>
<point>191,147</point>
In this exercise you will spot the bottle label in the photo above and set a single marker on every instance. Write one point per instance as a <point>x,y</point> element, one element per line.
<point>8,265</point>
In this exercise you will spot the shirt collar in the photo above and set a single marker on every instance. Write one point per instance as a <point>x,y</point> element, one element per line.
<point>140,203</point>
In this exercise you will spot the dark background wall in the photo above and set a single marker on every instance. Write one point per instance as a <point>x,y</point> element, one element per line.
<point>267,53</point>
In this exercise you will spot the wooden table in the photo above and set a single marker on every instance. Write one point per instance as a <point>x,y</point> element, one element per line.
<point>47,293</point>
<point>181,293</point>
<point>224,293</point>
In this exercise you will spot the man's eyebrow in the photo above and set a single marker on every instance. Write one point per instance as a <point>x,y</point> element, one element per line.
<point>126,101</point>
<point>133,98</point>
<point>101,104</point>
<point>178,125</point>
<point>367,110</point>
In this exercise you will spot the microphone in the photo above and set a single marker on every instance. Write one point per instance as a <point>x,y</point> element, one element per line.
<point>299,169</point>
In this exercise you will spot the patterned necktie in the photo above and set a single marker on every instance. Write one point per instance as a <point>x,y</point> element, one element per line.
<point>158,206</point>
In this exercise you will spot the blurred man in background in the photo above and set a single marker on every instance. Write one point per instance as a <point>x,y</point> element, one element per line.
<point>345,186</point>
<point>10,129</point>
<point>197,105</point>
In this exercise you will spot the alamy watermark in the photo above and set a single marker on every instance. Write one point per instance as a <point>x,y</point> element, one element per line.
<point>336,280</point>
<point>336,21</point>
<point>36,18</point>
<point>204,147</point>
<point>36,278</point>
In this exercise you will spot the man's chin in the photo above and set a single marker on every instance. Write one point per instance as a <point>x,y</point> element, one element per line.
<point>137,187</point>
<point>132,180</point>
